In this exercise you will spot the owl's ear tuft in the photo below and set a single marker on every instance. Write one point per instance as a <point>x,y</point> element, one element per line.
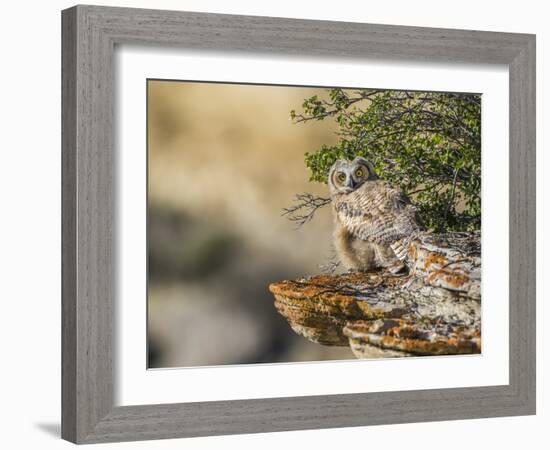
<point>365,162</point>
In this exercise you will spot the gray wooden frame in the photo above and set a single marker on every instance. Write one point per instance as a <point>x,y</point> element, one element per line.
<point>88,154</point>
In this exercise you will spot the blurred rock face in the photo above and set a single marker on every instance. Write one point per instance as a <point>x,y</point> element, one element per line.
<point>223,161</point>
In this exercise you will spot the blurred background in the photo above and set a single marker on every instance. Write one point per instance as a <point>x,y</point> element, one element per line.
<point>223,161</point>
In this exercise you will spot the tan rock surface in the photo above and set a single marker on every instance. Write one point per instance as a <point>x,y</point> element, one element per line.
<point>434,310</point>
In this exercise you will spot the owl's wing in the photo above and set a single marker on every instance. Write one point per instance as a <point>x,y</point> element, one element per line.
<point>377,212</point>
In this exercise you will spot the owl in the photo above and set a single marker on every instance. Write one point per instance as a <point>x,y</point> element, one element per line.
<point>374,221</point>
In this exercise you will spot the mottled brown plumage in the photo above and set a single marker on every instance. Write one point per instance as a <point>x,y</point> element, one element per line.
<point>374,221</point>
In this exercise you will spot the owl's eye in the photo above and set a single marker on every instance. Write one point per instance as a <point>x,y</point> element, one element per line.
<point>341,177</point>
<point>359,173</point>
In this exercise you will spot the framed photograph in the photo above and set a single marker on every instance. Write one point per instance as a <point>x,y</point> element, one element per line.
<point>278,224</point>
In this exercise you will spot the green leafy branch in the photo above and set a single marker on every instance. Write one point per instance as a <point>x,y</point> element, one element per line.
<point>428,143</point>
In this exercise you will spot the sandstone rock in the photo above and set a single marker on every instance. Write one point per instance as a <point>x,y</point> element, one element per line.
<point>434,310</point>
<point>451,261</point>
<point>319,307</point>
<point>420,338</point>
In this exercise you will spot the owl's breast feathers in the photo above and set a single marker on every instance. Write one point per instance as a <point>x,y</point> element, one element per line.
<point>377,212</point>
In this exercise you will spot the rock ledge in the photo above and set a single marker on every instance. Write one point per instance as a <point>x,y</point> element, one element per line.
<point>434,310</point>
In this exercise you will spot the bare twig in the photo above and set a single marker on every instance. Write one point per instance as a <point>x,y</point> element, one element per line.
<point>425,188</point>
<point>331,265</point>
<point>305,207</point>
<point>452,196</point>
<point>333,110</point>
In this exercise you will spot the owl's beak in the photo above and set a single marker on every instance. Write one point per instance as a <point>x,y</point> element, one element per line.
<point>351,183</point>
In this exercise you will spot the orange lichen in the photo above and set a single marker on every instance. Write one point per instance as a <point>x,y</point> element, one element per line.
<point>434,258</point>
<point>406,337</point>
<point>453,279</point>
<point>411,314</point>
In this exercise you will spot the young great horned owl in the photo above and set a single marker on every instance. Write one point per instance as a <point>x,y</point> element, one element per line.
<point>374,222</point>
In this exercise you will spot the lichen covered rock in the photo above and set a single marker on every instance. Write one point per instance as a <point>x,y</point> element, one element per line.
<point>319,307</point>
<point>450,261</point>
<point>417,338</point>
<point>434,310</point>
